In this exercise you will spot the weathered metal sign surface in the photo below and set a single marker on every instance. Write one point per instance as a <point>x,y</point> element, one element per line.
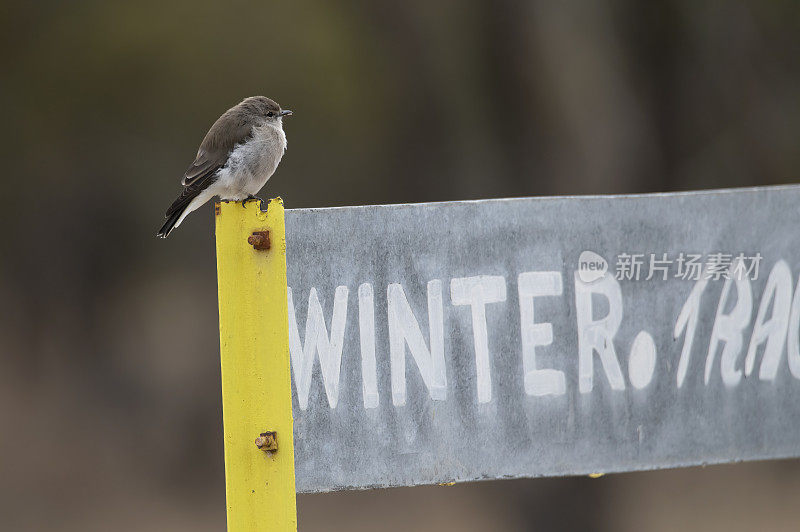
<point>526,337</point>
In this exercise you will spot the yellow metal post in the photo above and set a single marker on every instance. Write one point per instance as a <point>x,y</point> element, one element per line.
<point>254,350</point>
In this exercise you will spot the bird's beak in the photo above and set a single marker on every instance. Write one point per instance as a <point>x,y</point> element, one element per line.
<point>285,112</point>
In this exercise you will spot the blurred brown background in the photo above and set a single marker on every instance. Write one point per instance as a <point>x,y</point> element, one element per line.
<point>109,375</point>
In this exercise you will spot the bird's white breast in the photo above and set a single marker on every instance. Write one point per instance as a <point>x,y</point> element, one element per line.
<point>252,163</point>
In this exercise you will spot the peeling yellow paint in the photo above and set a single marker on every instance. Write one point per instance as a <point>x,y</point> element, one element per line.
<point>254,353</point>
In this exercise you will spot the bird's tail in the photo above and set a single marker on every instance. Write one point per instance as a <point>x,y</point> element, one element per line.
<point>190,198</point>
<point>169,225</point>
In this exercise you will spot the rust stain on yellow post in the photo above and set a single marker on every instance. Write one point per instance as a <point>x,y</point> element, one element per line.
<point>254,350</point>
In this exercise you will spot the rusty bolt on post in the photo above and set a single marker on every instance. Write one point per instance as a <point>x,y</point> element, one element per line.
<point>267,441</point>
<point>259,240</point>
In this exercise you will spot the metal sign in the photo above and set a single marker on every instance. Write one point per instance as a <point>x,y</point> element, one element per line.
<point>492,339</point>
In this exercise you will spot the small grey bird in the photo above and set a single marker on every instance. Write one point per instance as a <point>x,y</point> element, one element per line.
<point>236,158</point>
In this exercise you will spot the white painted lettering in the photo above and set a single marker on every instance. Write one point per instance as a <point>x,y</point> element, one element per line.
<point>366,326</point>
<point>773,330</point>
<point>687,323</point>
<point>477,292</point>
<point>404,328</point>
<point>598,335</point>
<point>728,329</point>
<point>538,382</point>
<point>642,360</point>
<point>317,342</point>
<point>793,334</point>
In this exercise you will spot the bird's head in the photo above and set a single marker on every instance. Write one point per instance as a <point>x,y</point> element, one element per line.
<point>265,109</point>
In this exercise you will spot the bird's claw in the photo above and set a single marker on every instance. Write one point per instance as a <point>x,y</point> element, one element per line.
<point>250,197</point>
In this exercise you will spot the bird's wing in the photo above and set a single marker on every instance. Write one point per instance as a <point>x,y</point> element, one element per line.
<point>190,192</point>
<point>200,175</point>
<point>230,129</point>
<point>202,167</point>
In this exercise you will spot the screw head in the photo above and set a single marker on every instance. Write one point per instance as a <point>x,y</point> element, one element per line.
<point>259,240</point>
<point>267,441</point>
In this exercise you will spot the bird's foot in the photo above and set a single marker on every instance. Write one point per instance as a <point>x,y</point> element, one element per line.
<point>251,197</point>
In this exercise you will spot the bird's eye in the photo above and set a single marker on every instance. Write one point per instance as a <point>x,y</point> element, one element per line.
<point>270,114</point>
